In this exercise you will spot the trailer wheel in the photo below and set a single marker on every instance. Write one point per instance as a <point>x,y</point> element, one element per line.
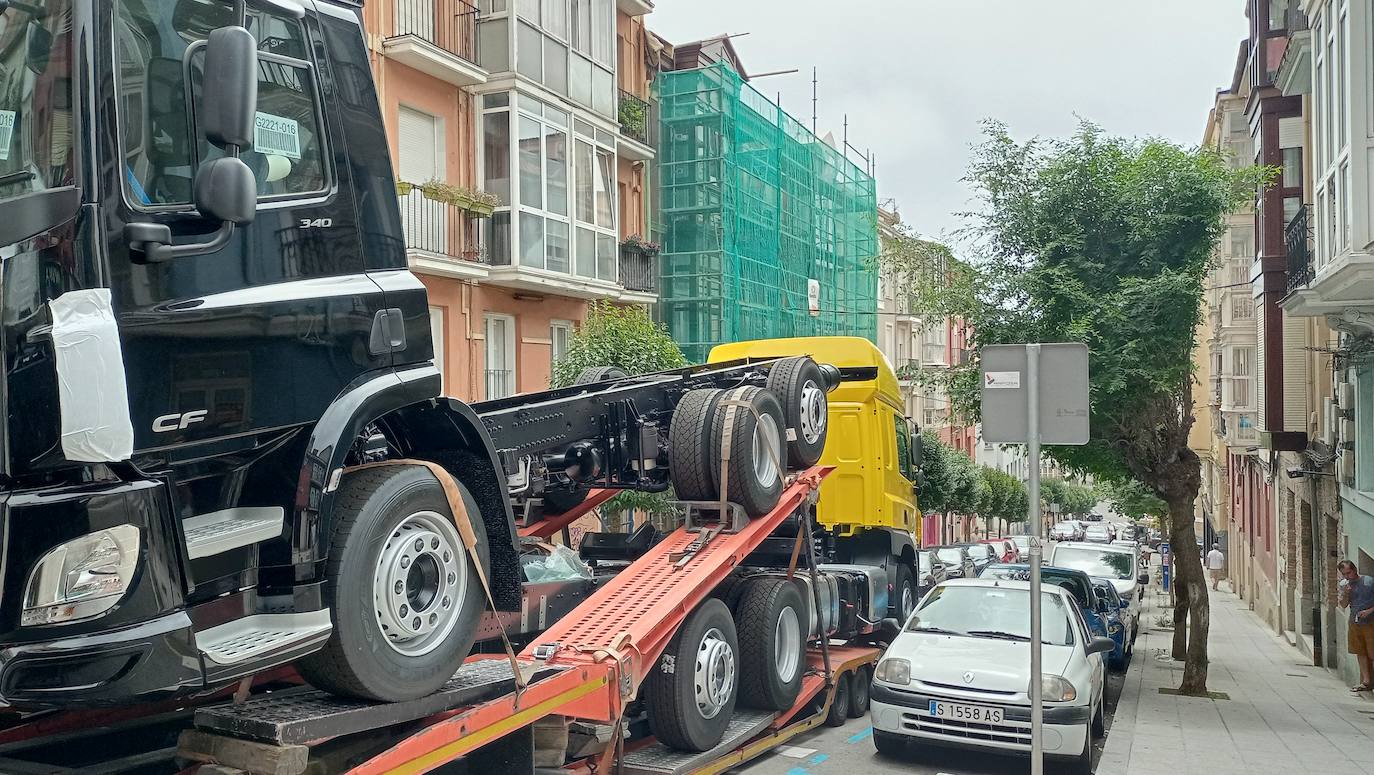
<point>599,374</point>
<point>839,706</point>
<point>690,692</point>
<point>801,389</point>
<point>692,455</point>
<point>858,692</point>
<point>402,593</point>
<point>772,646</point>
<point>755,482</point>
<point>903,593</point>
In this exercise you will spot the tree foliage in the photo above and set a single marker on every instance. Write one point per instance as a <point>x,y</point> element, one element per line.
<point>627,338</point>
<point>954,484</point>
<point>1131,499</point>
<point>1106,241</point>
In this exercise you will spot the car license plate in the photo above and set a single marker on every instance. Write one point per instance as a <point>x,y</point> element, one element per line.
<point>956,711</point>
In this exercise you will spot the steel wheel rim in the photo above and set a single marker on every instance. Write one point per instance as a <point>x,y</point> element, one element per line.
<point>419,583</point>
<point>812,408</point>
<point>908,601</point>
<point>787,644</point>
<point>714,674</point>
<point>767,447</point>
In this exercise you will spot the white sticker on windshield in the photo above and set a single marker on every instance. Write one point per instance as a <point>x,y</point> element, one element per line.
<point>277,135</point>
<point>6,133</point>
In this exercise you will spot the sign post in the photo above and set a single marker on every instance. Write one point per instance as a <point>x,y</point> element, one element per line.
<point>1013,412</point>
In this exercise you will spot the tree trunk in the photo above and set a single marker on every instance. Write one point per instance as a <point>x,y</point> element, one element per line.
<point>1192,605</point>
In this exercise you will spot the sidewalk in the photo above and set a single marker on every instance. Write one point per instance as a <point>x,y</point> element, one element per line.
<point>1283,716</point>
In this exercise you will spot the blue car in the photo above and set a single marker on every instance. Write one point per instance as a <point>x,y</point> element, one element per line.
<point>1080,585</point>
<point>1109,605</point>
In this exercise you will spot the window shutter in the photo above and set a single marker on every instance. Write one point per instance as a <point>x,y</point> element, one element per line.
<point>1295,357</point>
<point>1290,132</point>
<point>1262,424</point>
<point>421,146</point>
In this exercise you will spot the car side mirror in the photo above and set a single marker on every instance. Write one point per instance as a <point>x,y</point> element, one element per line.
<point>889,628</point>
<point>1100,645</point>
<point>1125,603</point>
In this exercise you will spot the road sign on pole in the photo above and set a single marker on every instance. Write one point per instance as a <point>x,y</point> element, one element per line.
<point>1035,393</point>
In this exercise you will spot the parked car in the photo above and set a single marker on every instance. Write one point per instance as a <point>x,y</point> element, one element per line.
<point>1064,531</point>
<point>1118,564</point>
<point>1022,544</point>
<point>1079,584</point>
<point>962,662</point>
<point>957,561</point>
<point>929,572</point>
<point>983,555</point>
<point>1098,533</point>
<point>1109,606</point>
<point>1094,517</point>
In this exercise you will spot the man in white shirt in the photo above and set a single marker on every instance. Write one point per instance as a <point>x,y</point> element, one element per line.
<point>1216,563</point>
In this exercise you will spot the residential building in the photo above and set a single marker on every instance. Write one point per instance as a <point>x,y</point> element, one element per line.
<point>769,230</point>
<point>1330,288</point>
<point>898,330</point>
<point>519,131</point>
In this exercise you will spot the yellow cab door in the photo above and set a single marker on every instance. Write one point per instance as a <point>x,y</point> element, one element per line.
<point>901,473</point>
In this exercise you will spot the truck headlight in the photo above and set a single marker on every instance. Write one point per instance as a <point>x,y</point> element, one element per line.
<point>1056,688</point>
<point>894,670</point>
<point>81,578</point>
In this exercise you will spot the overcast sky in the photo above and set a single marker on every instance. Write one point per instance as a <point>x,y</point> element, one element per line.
<point>916,76</point>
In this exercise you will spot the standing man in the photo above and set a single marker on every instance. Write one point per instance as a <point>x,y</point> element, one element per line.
<point>1357,592</point>
<point>1216,564</point>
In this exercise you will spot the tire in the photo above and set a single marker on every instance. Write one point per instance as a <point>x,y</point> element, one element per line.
<point>1117,664</point>
<point>692,456</point>
<point>1082,764</point>
<point>706,643</point>
<point>599,374</point>
<point>798,384</point>
<point>839,706</point>
<point>754,479</point>
<point>858,692</point>
<point>889,744</point>
<point>769,618</point>
<point>905,585</point>
<point>1098,730</point>
<point>368,655</point>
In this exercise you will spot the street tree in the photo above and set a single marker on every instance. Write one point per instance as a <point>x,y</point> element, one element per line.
<point>624,337</point>
<point>1106,241</point>
<point>1130,499</point>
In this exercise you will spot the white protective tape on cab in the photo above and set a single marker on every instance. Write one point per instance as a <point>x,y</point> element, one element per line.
<point>90,378</point>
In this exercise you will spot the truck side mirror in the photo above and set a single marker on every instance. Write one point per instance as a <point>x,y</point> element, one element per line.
<point>230,102</point>
<point>226,190</point>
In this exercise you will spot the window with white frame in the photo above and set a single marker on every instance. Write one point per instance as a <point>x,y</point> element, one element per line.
<point>500,352</point>
<point>1333,53</point>
<point>557,213</point>
<point>567,46</point>
<point>560,335</point>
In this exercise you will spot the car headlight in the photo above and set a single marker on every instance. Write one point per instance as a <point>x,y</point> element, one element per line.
<point>1056,688</point>
<point>81,578</point>
<point>894,670</point>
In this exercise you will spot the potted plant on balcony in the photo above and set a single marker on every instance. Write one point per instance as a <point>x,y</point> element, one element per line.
<point>635,245</point>
<point>632,117</point>
<point>479,204</point>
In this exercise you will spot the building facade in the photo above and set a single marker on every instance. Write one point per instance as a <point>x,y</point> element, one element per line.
<point>519,133</point>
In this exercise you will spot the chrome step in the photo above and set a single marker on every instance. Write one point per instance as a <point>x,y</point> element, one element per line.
<point>659,759</point>
<point>246,639</point>
<point>220,531</point>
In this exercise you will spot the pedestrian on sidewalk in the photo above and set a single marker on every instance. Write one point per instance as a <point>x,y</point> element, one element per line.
<point>1216,564</point>
<point>1357,591</point>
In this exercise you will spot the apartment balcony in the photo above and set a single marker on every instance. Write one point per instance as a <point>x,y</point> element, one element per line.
<point>633,281</point>
<point>635,7</point>
<point>1317,288</point>
<point>639,271</point>
<point>638,127</point>
<point>439,38</point>
<point>908,371</point>
<point>1238,429</point>
<point>500,383</point>
<point>441,238</point>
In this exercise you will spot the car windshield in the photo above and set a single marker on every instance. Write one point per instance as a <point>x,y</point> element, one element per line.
<point>1095,562</point>
<point>36,147</point>
<point>991,612</point>
<point>950,556</point>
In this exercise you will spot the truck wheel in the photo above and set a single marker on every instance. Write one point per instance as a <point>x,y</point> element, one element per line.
<point>858,693</point>
<point>754,481</point>
<point>799,386</point>
<point>903,593</point>
<point>690,691</point>
<point>599,374</point>
<point>772,648</point>
<point>839,707</point>
<point>401,589</point>
<point>692,456</point>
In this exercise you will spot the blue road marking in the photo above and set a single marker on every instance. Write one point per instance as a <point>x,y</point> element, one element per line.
<point>862,736</point>
<point>818,758</point>
<point>798,771</point>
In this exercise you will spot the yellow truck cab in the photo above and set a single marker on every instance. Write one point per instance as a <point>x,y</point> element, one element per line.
<point>867,510</point>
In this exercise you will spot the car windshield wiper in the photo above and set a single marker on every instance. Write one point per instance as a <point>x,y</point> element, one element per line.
<point>940,631</point>
<point>998,634</point>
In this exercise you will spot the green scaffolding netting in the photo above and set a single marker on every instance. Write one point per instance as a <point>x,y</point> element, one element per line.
<point>754,207</point>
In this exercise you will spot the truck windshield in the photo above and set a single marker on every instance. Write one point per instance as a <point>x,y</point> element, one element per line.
<point>36,144</point>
